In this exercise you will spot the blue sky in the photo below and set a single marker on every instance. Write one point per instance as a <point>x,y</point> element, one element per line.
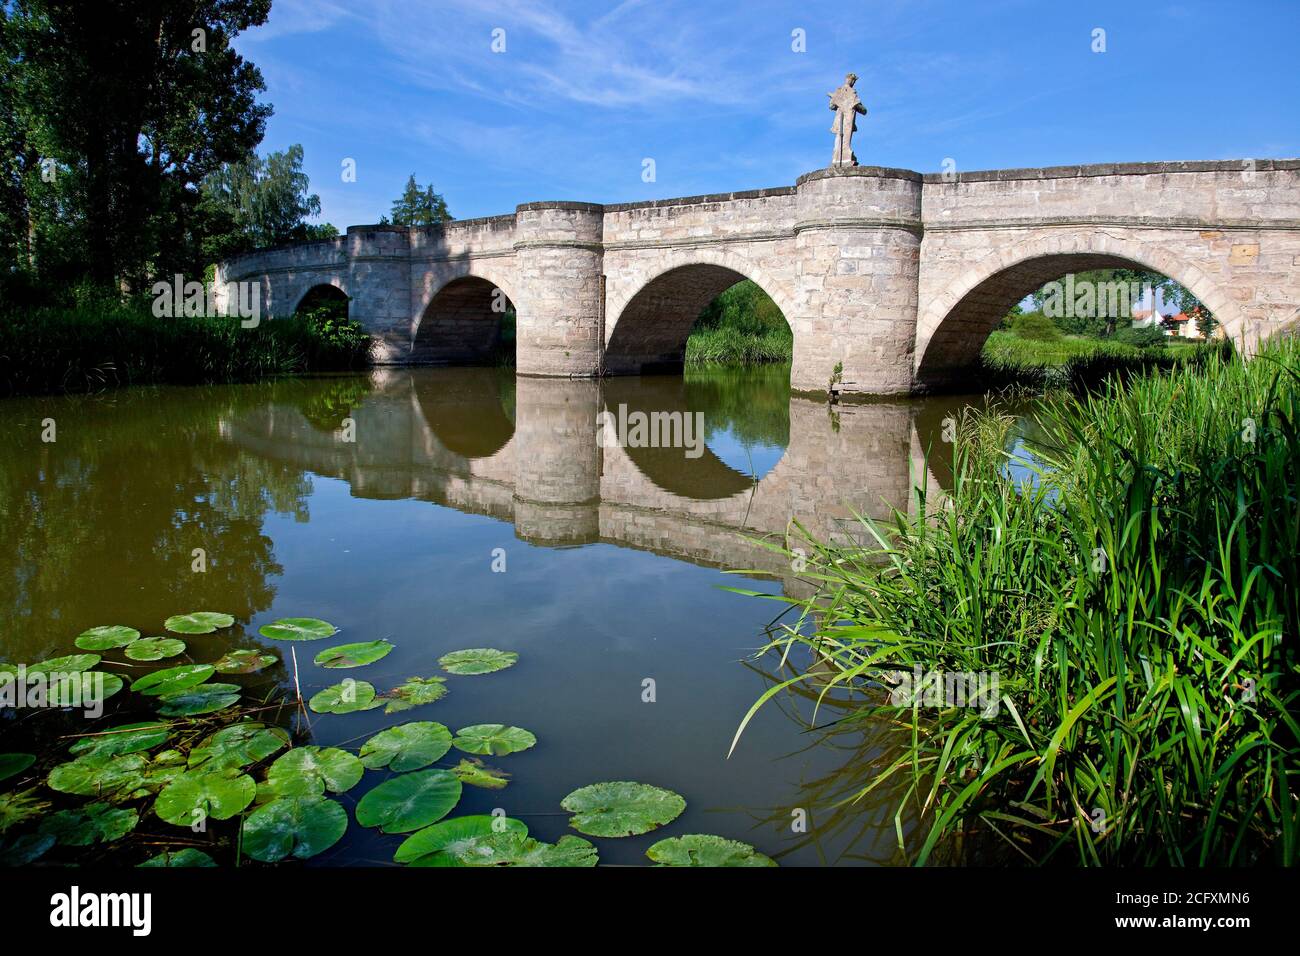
<point>715,94</point>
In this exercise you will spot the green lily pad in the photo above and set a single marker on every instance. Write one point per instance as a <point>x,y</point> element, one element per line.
<point>26,848</point>
<point>94,823</point>
<point>495,739</point>
<point>474,773</point>
<point>127,739</point>
<point>155,648</point>
<point>186,857</point>
<point>71,664</point>
<point>448,843</point>
<point>106,637</point>
<point>19,806</point>
<point>298,826</point>
<point>196,795</point>
<point>87,687</point>
<point>409,801</point>
<point>406,746</point>
<point>297,629</point>
<point>477,660</point>
<point>310,771</point>
<point>514,849</point>
<point>414,692</point>
<point>99,775</point>
<point>621,808</point>
<point>239,745</point>
<point>353,655</point>
<point>204,699</point>
<point>13,764</point>
<point>173,680</point>
<point>697,849</point>
<point>346,697</point>
<point>199,622</point>
<point>243,662</point>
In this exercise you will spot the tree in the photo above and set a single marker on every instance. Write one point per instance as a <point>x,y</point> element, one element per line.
<point>260,202</point>
<point>131,104</point>
<point>419,207</point>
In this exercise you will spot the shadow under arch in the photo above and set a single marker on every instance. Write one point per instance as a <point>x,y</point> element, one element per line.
<point>323,294</point>
<point>950,340</point>
<point>469,320</point>
<point>471,411</point>
<point>650,332</point>
<point>704,478</point>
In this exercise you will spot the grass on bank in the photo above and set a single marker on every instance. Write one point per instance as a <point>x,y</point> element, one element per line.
<point>742,326</point>
<point>1139,604</point>
<point>104,344</point>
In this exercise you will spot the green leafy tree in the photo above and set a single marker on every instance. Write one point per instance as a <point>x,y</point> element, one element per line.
<point>131,104</point>
<point>260,202</point>
<point>418,207</point>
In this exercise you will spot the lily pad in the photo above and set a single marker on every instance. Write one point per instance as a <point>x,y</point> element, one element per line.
<point>26,848</point>
<point>173,680</point>
<point>243,662</point>
<point>186,857</point>
<point>127,739</point>
<point>406,746</point>
<point>477,660</point>
<point>19,806</point>
<point>94,823</point>
<point>346,697</point>
<point>353,655</point>
<point>697,849</point>
<point>414,692</point>
<point>99,775</point>
<point>450,842</point>
<point>409,801</point>
<point>71,664</point>
<point>239,745</point>
<point>310,771</point>
<point>495,739</point>
<point>514,849</point>
<point>154,648</point>
<point>204,699</point>
<point>87,687</point>
<point>197,795</point>
<point>474,773</point>
<point>12,764</point>
<point>105,637</point>
<point>298,826</point>
<point>298,629</point>
<point>199,622</point>
<point>621,808</point>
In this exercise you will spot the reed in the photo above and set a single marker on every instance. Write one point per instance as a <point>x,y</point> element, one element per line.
<point>1137,602</point>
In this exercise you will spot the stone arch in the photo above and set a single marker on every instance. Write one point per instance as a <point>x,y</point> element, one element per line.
<point>652,317</point>
<point>458,323</point>
<point>952,327</point>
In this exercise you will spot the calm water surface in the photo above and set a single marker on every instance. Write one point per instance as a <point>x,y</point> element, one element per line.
<point>612,561</point>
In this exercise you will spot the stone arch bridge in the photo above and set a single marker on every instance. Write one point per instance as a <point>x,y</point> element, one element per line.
<point>898,276</point>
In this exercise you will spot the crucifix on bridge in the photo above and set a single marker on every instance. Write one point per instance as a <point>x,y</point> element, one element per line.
<point>846,105</point>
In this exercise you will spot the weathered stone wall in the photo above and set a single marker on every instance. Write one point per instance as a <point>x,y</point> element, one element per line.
<point>895,275</point>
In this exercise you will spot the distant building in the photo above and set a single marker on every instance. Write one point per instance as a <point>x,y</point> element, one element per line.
<point>1144,318</point>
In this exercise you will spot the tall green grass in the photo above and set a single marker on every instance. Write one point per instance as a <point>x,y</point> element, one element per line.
<point>104,344</point>
<point>1076,361</point>
<point>742,326</point>
<point>1140,605</point>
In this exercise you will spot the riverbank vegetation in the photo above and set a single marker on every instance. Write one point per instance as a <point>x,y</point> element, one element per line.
<point>1134,608</point>
<point>742,326</point>
<point>103,343</point>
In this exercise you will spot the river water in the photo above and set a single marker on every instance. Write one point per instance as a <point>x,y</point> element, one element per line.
<point>442,509</point>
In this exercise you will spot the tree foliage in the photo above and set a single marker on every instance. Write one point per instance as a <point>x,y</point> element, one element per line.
<point>418,206</point>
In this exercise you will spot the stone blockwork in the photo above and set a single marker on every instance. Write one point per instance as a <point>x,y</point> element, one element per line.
<point>896,276</point>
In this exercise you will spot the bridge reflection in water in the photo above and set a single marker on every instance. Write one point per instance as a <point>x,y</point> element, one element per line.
<point>526,450</point>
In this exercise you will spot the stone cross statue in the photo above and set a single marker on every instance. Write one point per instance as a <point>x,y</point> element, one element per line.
<point>846,105</point>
